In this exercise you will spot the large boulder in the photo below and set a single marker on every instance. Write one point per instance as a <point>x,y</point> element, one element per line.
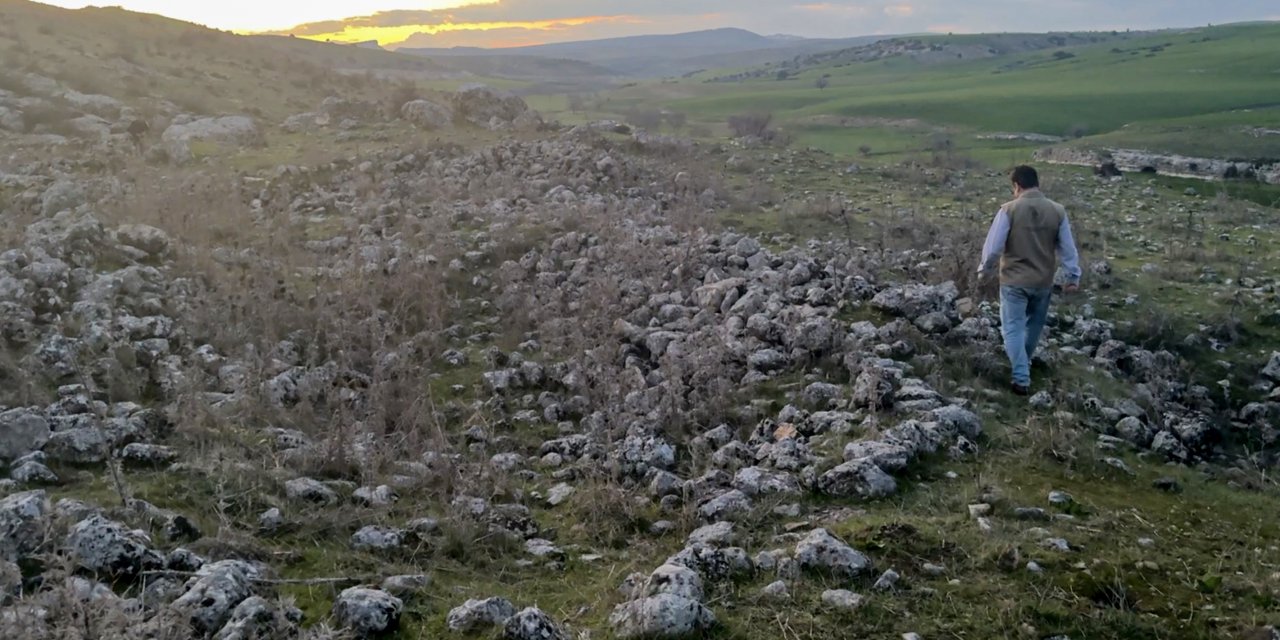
<point>22,524</point>
<point>425,114</point>
<point>257,619</point>
<point>662,616</point>
<point>676,580</point>
<point>238,131</point>
<point>532,624</point>
<point>145,238</point>
<point>21,432</point>
<point>82,445</point>
<point>367,612</point>
<point>858,478</point>
<point>486,107</point>
<point>823,552</point>
<point>213,594</point>
<point>474,615</point>
<point>107,547</point>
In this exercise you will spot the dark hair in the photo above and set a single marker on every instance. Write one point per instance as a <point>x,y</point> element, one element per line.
<point>1026,177</point>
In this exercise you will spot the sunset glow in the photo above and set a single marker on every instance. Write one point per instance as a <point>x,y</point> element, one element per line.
<point>400,33</point>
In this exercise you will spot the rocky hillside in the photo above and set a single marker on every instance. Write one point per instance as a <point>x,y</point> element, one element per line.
<point>935,50</point>
<point>474,374</point>
<point>337,381</point>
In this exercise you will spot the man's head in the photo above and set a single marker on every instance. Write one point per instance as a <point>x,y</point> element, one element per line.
<point>1025,177</point>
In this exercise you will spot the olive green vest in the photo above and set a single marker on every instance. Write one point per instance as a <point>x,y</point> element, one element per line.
<point>1030,254</point>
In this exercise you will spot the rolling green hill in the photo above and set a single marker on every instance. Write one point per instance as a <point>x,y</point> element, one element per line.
<point>1188,91</point>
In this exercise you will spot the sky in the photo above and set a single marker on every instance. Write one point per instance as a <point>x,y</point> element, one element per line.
<point>502,23</point>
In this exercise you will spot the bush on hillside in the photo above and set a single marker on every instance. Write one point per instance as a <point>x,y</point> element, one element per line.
<point>750,124</point>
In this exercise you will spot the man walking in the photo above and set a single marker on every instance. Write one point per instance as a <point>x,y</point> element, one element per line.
<point>1027,238</point>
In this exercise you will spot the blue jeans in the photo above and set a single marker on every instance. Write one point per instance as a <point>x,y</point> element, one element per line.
<point>1023,311</point>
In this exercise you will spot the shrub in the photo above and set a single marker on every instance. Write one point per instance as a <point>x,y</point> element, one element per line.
<point>645,118</point>
<point>750,124</point>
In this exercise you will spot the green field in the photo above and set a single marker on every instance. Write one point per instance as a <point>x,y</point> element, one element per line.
<point>1196,92</point>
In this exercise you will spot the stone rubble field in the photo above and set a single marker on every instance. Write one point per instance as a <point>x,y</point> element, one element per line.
<point>279,404</point>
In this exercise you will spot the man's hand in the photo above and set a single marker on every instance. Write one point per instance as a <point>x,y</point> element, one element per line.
<point>1071,288</point>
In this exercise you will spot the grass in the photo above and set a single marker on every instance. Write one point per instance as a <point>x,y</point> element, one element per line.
<point>1195,92</point>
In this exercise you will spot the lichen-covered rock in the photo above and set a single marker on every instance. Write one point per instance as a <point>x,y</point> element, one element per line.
<point>915,300</point>
<point>367,612</point>
<point>474,615</point>
<point>662,616</point>
<point>730,505</point>
<point>376,538</point>
<point>22,524</point>
<point>859,478</point>
<point>145,238</point>
<point>425,114</point>
<point>823,552</point>
<point>714,563</point>
<point>256,618</point>
<point>309,490</point>
<point>487,107</point>
<point>83,445</point>
<point>674,579</point>
<point>108,547</point>
<point>215,591</point>
<point>230,130</point>
<point>21,432</point>
<point>757,481</point>
<point>885,455</point>
<point>532,624</point>
<point>142,454</point>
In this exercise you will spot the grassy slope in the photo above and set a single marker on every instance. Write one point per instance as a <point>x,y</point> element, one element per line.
<point>141,58</point>
<point>1183,92</point>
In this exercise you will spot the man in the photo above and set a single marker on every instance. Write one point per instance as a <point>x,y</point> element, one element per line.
<point>1027,237</point>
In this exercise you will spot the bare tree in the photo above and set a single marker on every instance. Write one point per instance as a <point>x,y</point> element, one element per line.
<point>750,124</point>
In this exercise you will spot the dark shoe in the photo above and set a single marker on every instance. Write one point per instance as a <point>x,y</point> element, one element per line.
<point>1020,390</point>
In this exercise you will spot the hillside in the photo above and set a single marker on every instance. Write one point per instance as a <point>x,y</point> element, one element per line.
<point>1139,90</point>
<point>666,55</point>
<point>149,61</point>
<point>335,351</point>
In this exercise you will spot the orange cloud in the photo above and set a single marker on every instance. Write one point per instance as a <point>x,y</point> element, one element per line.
<point>386,35</point>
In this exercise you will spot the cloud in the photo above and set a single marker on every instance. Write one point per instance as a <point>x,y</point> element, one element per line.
<point>899,10</point>
<point>560,20</point>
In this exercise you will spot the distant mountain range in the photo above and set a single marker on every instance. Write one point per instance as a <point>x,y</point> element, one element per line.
<point>662,55</point>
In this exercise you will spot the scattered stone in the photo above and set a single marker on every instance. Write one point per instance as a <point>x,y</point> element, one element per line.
<point>377,538</point>
<point>212,595</point>
<point>309,490</point>
<point>887,581</point>
<point>659,617</point>
<point>719,534</point>
<point>367,612</point>
<point>821,551</point>
<point>532,624</point>
<point>22,524</point>
<point>21,432</point>
<point>107,547</point>
<point>776,590</point>
<point>1041,401</point>
<point>857,479</point>
<point>842,599</point>
<point>475,615</point>
<point>559,494</point>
